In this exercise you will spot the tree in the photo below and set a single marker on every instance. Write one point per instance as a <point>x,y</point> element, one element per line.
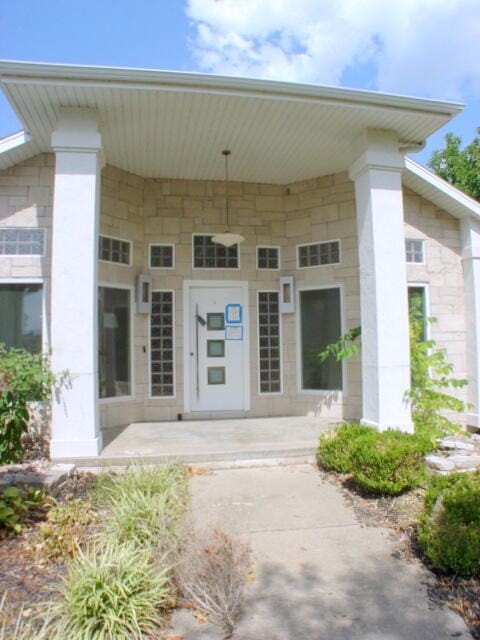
<point>460,167</point>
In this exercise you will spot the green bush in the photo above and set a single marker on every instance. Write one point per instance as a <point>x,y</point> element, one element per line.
<point>15,505</point>
<point>114,592</point>
<point>450,526</point>
<point>388,462</point>
<point>335,446</point>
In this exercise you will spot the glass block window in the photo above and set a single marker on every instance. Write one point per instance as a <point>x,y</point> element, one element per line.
<point>162,344</point>
<point>414,251</point>
<point>318,254</point>
<point>210,255</point>
<point>22,242</point>
<point>114,250</point>
<point>161,256</point>
<point>268,258</point>
<point>269,342</point>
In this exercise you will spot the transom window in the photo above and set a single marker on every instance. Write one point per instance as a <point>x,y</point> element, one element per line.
<point>210,255</point>
<point>114,250</point>
<point>161,344</point>
<point>161,256</point>
<point>318,254</point>
<point>268,258</point>
<point>414,250</point>
<point>269,342</point>
<point>22,242</point>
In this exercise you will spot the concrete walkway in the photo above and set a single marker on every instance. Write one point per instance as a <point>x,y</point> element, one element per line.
<point>197,441</point>
<point>319,574</point>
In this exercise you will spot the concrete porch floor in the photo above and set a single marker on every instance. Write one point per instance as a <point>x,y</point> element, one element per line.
<point>211,441</point>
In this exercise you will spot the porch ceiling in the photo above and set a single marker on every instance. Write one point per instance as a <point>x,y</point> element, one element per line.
<point>174,125</point>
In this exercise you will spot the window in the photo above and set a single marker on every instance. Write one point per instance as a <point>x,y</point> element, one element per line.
<point>318,254</point>
<point>320,319</point>
<point>114,250</point>
<point>21,316</point>
<point>268,258</point>
<point>161,344</point>
<point>210,255</point>
<point>161,256</point>
<point>269,342</point>
<point>417,307</point>
<point>414,251</point>
<point>22,242</point>
<point>114,342</point>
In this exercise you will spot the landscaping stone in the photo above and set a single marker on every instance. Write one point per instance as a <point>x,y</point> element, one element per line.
<point>465,462</point>
<point>42,475</point>
<point>453,443</point>
<point>439,463</point>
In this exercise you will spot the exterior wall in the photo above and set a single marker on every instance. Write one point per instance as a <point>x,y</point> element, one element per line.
<point>148,211</point>
<point>26,196</point>
<point>443,275</point>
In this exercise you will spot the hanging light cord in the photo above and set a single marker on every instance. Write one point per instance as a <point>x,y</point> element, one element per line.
<point>226,153</point>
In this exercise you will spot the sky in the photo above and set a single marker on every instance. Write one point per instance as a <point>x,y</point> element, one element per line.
<point>423,48</point>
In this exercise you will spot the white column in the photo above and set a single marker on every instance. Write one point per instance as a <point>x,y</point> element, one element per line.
<point>470,230</point>
<point>383,281</point>
<point>77,145</point>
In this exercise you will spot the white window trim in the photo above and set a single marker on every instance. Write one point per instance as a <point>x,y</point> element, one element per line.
<point>27,255</point>
<point>150,395</point>
<point>161,244</point>
<point>422,241</point>
<point>118,264</point>
<point>319,266</point>
<point>269,246</point>
<point>194,268</point>
<point>187,286</point>
<point>426,287</point>
<point>280,322</point>
<point>45,326</point>
<point>131,396</point>
<point>320,392</point>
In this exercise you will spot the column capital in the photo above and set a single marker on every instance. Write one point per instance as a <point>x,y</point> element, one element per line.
<point>77,130</point>
<point>376,149</point>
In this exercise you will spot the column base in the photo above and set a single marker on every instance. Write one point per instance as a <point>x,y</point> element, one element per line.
<point>473,420</point>
<point>407,427</point>
<point>75,448</point>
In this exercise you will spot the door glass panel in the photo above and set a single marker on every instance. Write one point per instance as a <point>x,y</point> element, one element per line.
<point>321,325</point>
<point>216,375</point>
<point>215,321</point>
<point>216,348</point>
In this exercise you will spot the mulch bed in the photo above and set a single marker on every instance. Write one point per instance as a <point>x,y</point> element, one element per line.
<point>26,578</point>
<point>400,514</point>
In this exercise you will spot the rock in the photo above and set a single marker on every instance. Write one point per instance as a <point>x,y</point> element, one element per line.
<point>49,477</point>
<point>454,443</point>
<point>439,463</point>
<point>465,462</point>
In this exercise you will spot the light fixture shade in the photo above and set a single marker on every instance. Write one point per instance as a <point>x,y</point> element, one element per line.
<point>227,238</point>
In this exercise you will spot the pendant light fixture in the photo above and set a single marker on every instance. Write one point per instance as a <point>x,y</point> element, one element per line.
<point>227,238</point>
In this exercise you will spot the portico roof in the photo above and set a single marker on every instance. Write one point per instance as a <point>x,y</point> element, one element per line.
<point>175,125</point>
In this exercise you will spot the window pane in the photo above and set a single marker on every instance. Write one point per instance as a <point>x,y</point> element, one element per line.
<point>114,342</point>
<point>208,254</point>
<point>21,316</point>
<point>417,308</point>
<point>320,324</point>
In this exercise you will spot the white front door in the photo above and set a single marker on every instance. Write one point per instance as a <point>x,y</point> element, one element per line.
<point>217,348</point>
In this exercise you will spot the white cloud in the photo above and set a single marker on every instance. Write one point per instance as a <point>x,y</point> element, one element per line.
<point>421,47</point>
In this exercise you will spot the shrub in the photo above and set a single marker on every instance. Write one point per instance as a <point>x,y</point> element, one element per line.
<point>24,377</point>
<point>15,505</point>
<point>335,446</point>
<point>114,592</point>
<point>67,528</point>
<point>388,462</point>
<point>450,526</point>
<point>211,574</point>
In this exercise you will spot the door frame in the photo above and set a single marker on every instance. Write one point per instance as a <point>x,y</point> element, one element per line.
<point>188,285</point>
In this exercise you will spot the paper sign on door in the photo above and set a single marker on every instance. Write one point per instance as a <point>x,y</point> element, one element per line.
<point>233,314</point>
<point>233,333</point>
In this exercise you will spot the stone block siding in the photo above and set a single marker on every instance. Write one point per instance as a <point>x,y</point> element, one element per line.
<point>148,211</point>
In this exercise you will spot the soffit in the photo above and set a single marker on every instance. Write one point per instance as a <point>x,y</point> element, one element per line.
<point>172,125</point>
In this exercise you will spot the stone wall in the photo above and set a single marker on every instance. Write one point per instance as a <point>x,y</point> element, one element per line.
<point>148,211</point>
